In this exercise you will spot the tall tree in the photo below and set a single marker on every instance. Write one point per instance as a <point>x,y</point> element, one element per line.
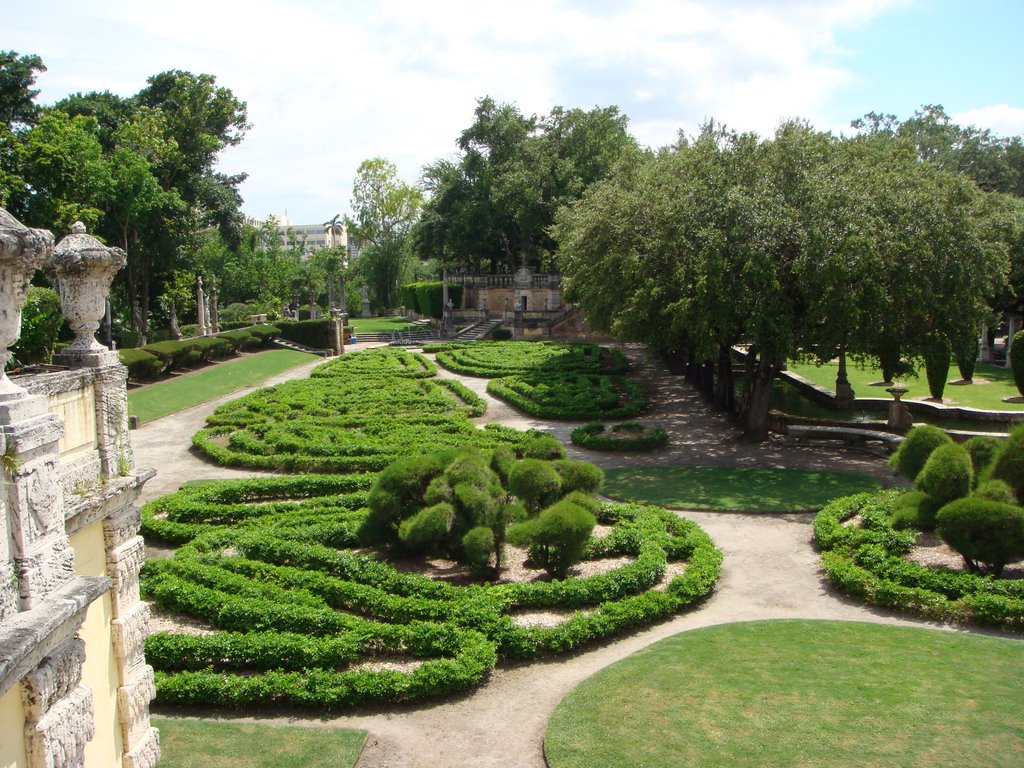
<point>17,96</point>
<point>384,209</point>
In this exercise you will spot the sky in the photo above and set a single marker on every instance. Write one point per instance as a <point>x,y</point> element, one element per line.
<point>330,84</point>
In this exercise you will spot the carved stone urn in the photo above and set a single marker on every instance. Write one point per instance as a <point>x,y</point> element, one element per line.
<point>82,268</point>
<point>22,252</point>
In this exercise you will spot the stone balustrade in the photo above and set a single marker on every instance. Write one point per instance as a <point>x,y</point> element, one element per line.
<point>74,685</point>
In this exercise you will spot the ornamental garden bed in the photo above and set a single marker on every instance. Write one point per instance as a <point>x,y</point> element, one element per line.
<point>627,436</point>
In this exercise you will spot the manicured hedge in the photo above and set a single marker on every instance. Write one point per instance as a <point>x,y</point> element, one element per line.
<point>577,397</point>
<point>628,436</point>
<point>309,333</point>
<point>267,564</point>
<point>427,298</point>
<point>141,365</point>
<point>867,560</point>
<point>503,358</point>
<point>385,362</point>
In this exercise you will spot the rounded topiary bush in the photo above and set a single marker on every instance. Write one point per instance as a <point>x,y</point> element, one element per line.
<point>947,475</point>
<point>996,490</point>
<point>983,450</point>
<point>579,476</point>
<point>986,533</point>
<point>557,537</point>
<point>535,482</point>
<point>543,447</point>
<point>1009,466</point>
<point>1017,360</point>
<point>910,458</point>
<point>907,511</point>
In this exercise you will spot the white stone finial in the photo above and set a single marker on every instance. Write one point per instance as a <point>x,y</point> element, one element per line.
<point>78,228</point>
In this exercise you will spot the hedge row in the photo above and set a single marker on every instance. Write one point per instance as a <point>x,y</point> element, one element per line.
<point>628,436</point>
<point>302,621</point>
<point>427,297</point>
<point>504,358</point>
<point>150,361</point>
<point>385,362</point>
<point>577,397</point>
<point>867,560</point>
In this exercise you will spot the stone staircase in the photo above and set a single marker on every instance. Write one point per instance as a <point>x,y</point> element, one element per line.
<point>285,344</point>
<point>477,331</point>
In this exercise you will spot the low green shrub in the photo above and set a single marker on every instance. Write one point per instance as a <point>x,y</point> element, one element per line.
<point>556,537</point>
<point>571,397</point>
<point>309,333</point>
<point>907,512</point>
<point>141,365</point>
<point>535,482</point>
<point>983,450</point>
<point>1009,465</point>
<point>867,560</point>
<point>910,457</point>
<point>987,534</point>
<point>996,490</point>
<point>542,446</point>
<point>627,436</point>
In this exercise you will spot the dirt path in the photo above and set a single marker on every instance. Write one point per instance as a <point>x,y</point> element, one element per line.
<point>770,571</point>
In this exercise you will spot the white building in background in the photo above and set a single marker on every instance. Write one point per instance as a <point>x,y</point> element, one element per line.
<point>311,237</point>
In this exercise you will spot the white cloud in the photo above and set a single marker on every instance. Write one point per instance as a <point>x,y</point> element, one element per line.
<point>1001,119</point>
<point>331,84</point>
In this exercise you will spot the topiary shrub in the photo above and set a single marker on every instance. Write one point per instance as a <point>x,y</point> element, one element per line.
<point>1017,360</point>
<point>983,451</point>
<point>966,354</point>
<point>937,359</point>
<point>947,475</point>
<point>579,476</point>
<point>1009,465</point>
<point>906,512</point>
<point>557,537</point>
<point>996,490</point>
<point>543,447</point>
<point>987,534</point>
<point>396,495</point>
<point>535,482</point>
<point>910,457</point>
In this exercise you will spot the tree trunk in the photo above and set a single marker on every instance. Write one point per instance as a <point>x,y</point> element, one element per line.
<point>757,401</point>
<point>725,391</point>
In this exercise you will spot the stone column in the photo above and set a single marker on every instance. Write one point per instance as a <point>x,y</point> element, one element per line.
<point>365,311</point>
<point>844,392</point>
<point>212,313</point>
<point>200,307</point>
<point>82,268</point>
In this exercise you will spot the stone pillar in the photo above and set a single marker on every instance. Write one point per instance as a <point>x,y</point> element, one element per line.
<point>58,709</point>
<point>82,268</point>
<point>844,392</point>
<point>314,311</point>
<point>212,314</point>
<point>444,288</point>
<point>200,307</point>
<point>984,349</point>
<point>365,311</point>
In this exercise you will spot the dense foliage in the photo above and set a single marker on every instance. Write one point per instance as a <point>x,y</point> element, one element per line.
<point>627,436</point>
<point>301,619</point>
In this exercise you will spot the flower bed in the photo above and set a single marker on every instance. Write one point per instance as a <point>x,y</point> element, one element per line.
<point>867,559</point>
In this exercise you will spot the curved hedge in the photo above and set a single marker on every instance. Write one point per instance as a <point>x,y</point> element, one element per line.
<point>628,436</point>
<point>502,358</point>
<point>577,397</point>
<point>302,619</point>
<point>867,561</point>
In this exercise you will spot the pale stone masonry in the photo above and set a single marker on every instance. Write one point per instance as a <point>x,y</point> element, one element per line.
<point>74,685</point>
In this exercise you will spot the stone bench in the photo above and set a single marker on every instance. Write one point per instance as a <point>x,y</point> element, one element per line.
<point>849,435</point>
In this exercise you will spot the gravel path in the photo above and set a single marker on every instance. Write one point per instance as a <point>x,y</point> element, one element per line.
<point>771,571</point>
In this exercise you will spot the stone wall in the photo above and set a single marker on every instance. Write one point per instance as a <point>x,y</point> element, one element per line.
<point>69,475</point>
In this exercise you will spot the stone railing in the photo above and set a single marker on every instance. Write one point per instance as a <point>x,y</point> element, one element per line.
<point>74,685</point>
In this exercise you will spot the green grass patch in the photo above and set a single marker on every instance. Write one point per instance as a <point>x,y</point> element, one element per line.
<point>799,693</point>
<point>731,488</point>
<point>166,397</point>
<point>991,384</point>
<point>220,744</point>
<point>378,324</point>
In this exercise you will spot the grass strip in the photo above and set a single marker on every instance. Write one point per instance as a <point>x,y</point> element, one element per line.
<point>732,488</point>
<point>224,744</point>
<point>167,397</point>
<point>807,693</point>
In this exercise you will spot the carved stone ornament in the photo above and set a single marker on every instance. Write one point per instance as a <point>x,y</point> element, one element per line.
<point>22,252</point>
<point>82,268</point>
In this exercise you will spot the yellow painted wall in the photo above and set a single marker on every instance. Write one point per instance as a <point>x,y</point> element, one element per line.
<point>77,409</point>
<point>12,729</point>
<point>100,669</point>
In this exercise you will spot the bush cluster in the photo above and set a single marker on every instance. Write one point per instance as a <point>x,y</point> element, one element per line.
<point>627,436</point>
<point>150,361</point>
<point>571,398</point>
<point>867,560</point>
<point>268,563</point>
<point>493,359</point>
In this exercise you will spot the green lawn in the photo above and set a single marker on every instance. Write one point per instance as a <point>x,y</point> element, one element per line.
<point>378,324</point>
<point>721,488</point>
<point>800,693</point>
<point>221,744</point>
<point>991,384</point>
<point>166,397</point>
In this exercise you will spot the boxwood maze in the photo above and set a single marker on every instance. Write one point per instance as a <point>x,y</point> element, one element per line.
<point>358,413</point>
<point>502,358</point>
<point>304,620</point>
<point>867,559</point>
